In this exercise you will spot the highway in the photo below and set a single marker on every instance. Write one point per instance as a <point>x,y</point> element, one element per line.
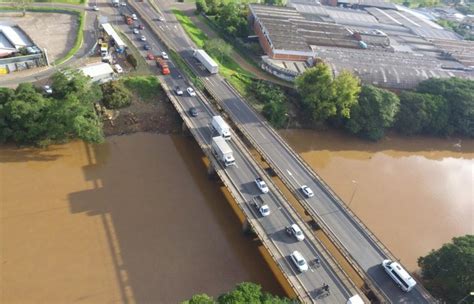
<point>361,246</point>
<point>242,177</point>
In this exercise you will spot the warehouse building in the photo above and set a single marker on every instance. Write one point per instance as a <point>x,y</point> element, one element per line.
<point>99,72</point>
<point>399,53</point>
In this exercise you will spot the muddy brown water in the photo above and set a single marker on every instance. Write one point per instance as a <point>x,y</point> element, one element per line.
<point>133,220</point>
<point>414,193</point>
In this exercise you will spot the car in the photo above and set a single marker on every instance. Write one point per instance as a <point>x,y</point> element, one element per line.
<point>95,8</point>
<point>47,89</point>
<point>136,31</point>
<point>178,91</point>
<point>123,4</point>
<point>142,38</point>
<point>134,17</point>
<point>261,185</point>
<point>307,191</point>
<point>295,231</point>
<point>193,112</point>
<point>150,56</point>
<point>161,18</point>
<point>164,55</point>
<point>140,27</point>
<point>118,68</point>
<point>260,205</point>
<point>191,91</point>
<point>146,47</point>
<point>299,261</point>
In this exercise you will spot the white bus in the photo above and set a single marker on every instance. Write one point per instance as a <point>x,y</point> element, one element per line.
<point>399,275</point>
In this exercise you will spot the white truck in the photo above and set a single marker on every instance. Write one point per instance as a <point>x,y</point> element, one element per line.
<point>116,3</point>
<point>222,151</point>
<point>219,124</point>
<point>206,61</point>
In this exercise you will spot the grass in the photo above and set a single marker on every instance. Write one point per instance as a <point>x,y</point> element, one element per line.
<point>78,42</point>
<point>142,66</point>
<point>228,67</point>
<point>145,87</point>
<point>186,69</point>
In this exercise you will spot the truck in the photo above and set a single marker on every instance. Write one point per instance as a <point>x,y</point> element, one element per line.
<point>222,151</point>
<point>260,206</point>
<point>206,61</point>
<point>221,127</point>
<point>104,49</point>
<point>115,3</point>
<point>128,19</point>
<point>163,65</point>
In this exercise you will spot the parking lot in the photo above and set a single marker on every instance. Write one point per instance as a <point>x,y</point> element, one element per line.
<point>53,31</point>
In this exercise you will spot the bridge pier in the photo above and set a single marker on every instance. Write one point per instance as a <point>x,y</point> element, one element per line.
<point>246,228</point>
<point>185,129</point>
<point>211,172</point>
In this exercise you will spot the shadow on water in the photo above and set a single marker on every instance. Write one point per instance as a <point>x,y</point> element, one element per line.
<point>170,231</point>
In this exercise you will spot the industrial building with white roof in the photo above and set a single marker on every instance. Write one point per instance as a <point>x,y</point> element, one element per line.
<point>385,45</point>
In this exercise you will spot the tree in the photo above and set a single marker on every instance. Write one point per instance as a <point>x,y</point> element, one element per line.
<point>213,6</point>
<point>347,89</point>
<point>375,111</point>
<point>459,93</point>
<point>422,113</point>
<point>28,117</point>
<point>317,92</point>
<point>448,273</point>
<point>201,6</point>
<point>276,113</point>
<point>232,17</point>
<point>116,95</point>
<point>200,299</point>
<point>245,292</point>
<point>275,2</point>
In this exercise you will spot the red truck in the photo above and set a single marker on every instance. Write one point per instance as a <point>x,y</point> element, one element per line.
<point>165,70</point>
<point>128,19</point>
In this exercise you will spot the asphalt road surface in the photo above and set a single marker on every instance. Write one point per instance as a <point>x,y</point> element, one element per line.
<point>364,251</point>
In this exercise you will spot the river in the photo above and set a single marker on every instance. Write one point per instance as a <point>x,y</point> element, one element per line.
<point>414,193</point>
<point>132,220</point>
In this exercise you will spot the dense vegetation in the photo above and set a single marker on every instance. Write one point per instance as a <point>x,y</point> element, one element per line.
<point>116,95</point>
<point>243,293</point>
<point>31,117</point>
<point>230,16</point>
<point>437,107</point>
<point>274,102</point>
<point>448,273</point>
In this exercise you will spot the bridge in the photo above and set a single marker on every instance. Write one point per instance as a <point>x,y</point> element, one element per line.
<point>355,241</point>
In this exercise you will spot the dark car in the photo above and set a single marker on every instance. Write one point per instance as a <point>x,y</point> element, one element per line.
<point>141,27</point>
<point>193,112</point>
<point>146,47</point>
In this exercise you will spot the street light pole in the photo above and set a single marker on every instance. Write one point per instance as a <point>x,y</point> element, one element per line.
<point>354,191</point>
<point>470,294</point>
<point>287,120</point>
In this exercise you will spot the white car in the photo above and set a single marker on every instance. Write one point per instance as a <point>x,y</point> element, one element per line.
<point>307,191</point>
<point>190,91</point>
<point>123,4</point>
<point>261,185</point>
<point>178,91</point>
<point>95,8</point>
<point>118,68</point>
<point>134,17</point>
<point>295,231</point>
<point>47,89</point>
<point>136,31</point>
<point>299,261</point>
<point>164,55</point>
<point>143,38</point>
<point>161,18</point>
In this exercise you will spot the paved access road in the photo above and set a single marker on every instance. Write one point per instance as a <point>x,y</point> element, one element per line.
<point>363,250</point>
<point>242,177</point>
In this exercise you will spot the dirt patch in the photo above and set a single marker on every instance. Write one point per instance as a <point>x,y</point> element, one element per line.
<point>159,117</point>
<point>54,31</point>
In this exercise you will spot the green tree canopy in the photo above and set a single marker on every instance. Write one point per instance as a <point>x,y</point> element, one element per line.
<point>201,6</point>
<point>28,117</point>
<point>375,111</point>
<point>448,273</point>
<point>459,93</point>
<point>422,113</point>
<point>232,17</point>
<point>324,97</point>
<point>116,95</point>
<point>200,299</point>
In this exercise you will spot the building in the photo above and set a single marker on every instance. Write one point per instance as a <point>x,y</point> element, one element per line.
<point>100,72</point>
<point>384,47</point>
<point>12,39</point>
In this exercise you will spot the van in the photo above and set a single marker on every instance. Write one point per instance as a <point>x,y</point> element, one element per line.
<point>118,69</point>
<point>399,275</point>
